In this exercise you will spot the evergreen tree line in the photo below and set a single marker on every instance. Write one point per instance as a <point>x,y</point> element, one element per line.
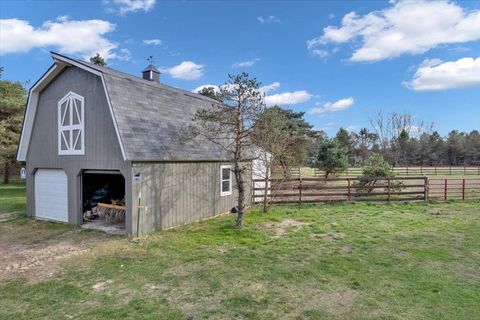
<point>406,149</point>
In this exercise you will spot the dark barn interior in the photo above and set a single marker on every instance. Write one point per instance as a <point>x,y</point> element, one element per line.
<point>103,200</point>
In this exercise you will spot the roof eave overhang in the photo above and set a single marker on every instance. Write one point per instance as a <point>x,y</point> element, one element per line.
<point>30,110</point>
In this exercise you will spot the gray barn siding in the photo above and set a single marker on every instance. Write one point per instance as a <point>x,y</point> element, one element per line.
<point>102,150</point>
<point>175,193</point>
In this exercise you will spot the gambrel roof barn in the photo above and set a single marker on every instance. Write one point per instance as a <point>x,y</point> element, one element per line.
<point>95,135</point>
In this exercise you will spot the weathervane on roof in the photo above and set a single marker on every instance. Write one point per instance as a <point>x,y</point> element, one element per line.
<point>151,60</point>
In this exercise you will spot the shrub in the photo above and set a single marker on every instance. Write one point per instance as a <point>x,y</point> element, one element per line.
<point>331,157</point>
<point>376,166</point>
<point>374,173</point>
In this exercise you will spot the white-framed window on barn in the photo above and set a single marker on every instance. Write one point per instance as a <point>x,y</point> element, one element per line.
<point>71,125</point>
<point>225,180</point>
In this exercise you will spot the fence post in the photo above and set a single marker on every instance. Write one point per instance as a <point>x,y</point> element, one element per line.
<point>463,189</point>
<point>425,188</point>
<point>252,192</point>
<point>421,170</point>
<point>388,183</point>
<point>450,168</point>
<point>445,195</point>
<point>300,192</point>
<point>435,170</point>
<point>349,193</point>
<point>464,170</point>
<point>407,171</point>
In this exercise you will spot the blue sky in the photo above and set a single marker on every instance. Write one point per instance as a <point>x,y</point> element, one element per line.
<point>338,61</point>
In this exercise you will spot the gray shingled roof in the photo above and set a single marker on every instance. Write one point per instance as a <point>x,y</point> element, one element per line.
<point>152,118</point>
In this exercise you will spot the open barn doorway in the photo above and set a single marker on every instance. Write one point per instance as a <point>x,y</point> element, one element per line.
<point>103,201</point>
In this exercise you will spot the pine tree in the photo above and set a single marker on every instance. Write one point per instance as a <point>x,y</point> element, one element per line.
<point>12,106</point>
<point>98,60</point>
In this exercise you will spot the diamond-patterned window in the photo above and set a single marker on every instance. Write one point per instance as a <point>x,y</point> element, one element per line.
<point>71,125</point>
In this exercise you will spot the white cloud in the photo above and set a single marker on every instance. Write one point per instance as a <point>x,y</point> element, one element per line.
<point>198,89</point>
<point>83,37</point>
<point>63,18</point>
<point>266,19</point>
<point>245,64</point>
<point>123,55</point>
<point>352,128</point>
<point>431,62</point>
<point>320,53</point>
<point>187,70</point>
<point>270,87</point>
<point>125,6</point>
<point>288,98</point>
<point>461,73</point>
<point>407,27</point>
<point>459,49</point>
<point>341,104</point>
<point>284,98</point>
<point>155,42</point>
<point>414,131</point>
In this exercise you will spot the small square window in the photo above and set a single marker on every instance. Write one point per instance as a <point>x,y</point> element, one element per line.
<point>225,180</point>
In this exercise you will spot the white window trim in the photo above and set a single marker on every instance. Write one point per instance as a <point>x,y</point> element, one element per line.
<point>71,126</point>
<point>226,193</point>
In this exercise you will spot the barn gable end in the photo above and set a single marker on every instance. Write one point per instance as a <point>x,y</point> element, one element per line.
<point>102,150</point>
<point>101,145</point>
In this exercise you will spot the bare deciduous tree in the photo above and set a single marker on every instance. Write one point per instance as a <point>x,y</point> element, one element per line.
<point>389,127</point>
<point>271,138</point>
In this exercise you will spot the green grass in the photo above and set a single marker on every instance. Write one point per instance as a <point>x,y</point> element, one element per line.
<point>351,261</point>
<point>12,198</point>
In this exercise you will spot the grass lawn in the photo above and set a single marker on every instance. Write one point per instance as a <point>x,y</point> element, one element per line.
<point>352,261</point>
<point>12,199</point>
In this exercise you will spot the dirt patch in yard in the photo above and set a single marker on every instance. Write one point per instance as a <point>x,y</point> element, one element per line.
<point>100,286</point>
<point>4,217</point>
<point>36,250</point>
<point>331,236</point>
<point>283,227</point>
<point>335,302</point>
<point>346,249</point>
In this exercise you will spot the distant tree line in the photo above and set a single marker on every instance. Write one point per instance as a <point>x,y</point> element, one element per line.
<point>292,142</point>
<point>420,149</point>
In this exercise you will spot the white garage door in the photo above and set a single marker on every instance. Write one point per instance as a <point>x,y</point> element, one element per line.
<point>51,195</point>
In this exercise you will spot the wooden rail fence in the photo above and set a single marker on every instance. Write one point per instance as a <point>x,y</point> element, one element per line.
<point>317,190</point>
<point>405,171</point>
<point>454,189</point>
